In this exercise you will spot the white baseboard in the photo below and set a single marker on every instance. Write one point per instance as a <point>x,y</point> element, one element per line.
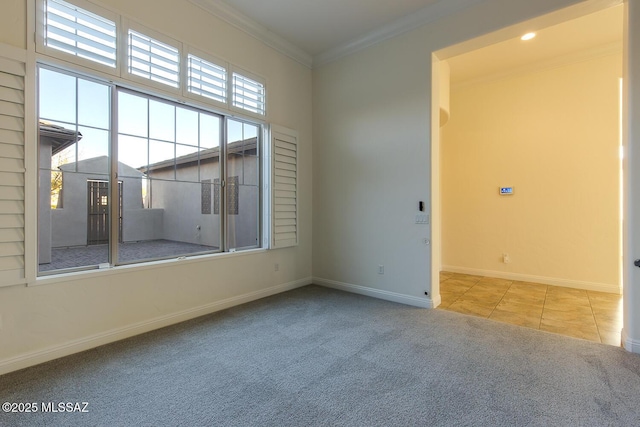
<point>378,293</point>
<point>76,346</point>
<point>589,286</point>
<point>629,344</point>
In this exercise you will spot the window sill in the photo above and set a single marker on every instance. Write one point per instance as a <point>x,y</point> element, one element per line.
<point>130,268</point>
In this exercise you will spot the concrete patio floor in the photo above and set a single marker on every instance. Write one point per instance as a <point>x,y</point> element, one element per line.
<point>82,256</point>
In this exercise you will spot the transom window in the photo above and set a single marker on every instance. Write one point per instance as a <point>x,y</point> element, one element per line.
<point>81,32</point>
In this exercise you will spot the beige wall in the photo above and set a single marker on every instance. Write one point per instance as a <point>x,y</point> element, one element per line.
<point>13,23</point>
<point>66,314</point>
<point>553,135</point>
<point>372,154</point>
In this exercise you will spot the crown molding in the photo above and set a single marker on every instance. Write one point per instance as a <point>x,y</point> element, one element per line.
<point>232,16</point>
<point>402,25</point>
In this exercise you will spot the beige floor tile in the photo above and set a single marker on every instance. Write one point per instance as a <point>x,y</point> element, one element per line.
<point>444,275</point>
<point>561,290</point>
<point>603,296</point>
<point>502,283</point>
<point>567,304</point>
<point>524,298</point>
<point>606,306</point>
<point>528,287</point>
<point>444,304</point>
<point>611,338</point>
<point>570,317</point>
<point>448,299</point>
<point>595,316</point>
<point>534,310</point>
<point>492,287</point>
<point>456,285</point>
<point>515,318</point>
<point>481,298</point>
<point>466,307</point>
<point>470,277</point>
<point>563,328</point>
<point>612,324</point>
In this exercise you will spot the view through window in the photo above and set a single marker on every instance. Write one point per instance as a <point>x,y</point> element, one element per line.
<point>169,157</point>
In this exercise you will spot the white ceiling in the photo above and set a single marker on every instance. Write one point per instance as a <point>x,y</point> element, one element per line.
<point>317,26</point>
<point>593,34</point>
<point>314,32</point>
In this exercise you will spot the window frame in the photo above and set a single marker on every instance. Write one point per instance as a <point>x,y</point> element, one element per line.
<point>116,88</point>
<point>119,78</point>
<point>130,25</point>
<point>213,60</point>
<point>41,45</point>
<point>251,76</point>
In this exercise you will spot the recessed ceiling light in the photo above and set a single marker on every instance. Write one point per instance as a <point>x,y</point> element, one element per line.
<point>528,36</point>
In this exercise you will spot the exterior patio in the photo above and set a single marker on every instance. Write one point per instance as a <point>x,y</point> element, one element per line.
<point>82,256</point>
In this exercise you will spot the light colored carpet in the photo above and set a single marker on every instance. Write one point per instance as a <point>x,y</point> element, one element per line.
<point>319,357</point>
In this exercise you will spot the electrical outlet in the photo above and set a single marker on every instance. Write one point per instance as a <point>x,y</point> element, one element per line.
<point>276,267</point>
<point>381,269</point>
<point>506,259</point>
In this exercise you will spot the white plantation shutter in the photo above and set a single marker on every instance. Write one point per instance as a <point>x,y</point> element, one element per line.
<point>12,170</point>
<point>151,59</point>
<point>206,79</point>
<point>248,94</point>
<point>80,33</point>
<point>284,227</point>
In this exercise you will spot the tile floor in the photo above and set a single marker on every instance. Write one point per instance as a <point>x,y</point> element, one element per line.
<point>590,315</point>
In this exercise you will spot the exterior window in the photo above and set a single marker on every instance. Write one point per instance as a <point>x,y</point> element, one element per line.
<point>169,158</point>
<point>172,149</point>
<point>248,94</point>
<point>243,184</point>
<point>207,79</point>
<point>153,60</point>
<point>79,32</point>
<point>74,124</point>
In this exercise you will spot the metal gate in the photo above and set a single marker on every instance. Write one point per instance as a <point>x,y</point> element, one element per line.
<point>98,212</point>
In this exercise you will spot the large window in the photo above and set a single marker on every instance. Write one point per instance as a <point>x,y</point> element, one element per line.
<point>126,177</point>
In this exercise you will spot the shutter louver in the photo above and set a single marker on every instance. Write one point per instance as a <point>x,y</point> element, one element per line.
<point>248,94</point>
<point>284,229</point>
<point>80,33</point>
<point>12,170</point>
<point>153,60</point>
<point>207,79</point>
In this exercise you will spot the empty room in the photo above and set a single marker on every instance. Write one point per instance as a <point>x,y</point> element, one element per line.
<point>229,212</point>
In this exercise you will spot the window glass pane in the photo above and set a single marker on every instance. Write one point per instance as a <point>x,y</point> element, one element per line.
<point>209,131</point>
<point>165,218</point>
<point>187,131</point>
<point>132,115</point>
<point>93,149</point>
<point>234,131</point>
<point>162,121</point>
<point>187,163</point>
<point>73,201</point>
<point>133,154</point>
<point>242,189</point>
<point>57,96</point>
<point>93,104</point>
<point>161,159</point>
